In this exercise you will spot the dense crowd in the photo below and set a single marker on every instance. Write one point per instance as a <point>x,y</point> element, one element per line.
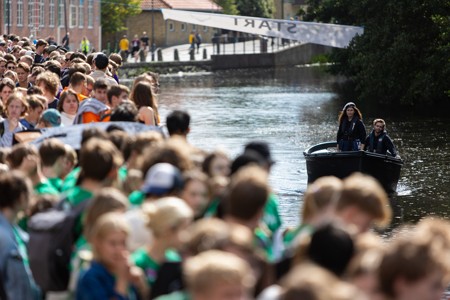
<point>148,216</point>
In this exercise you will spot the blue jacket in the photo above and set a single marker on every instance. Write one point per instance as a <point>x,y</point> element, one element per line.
<point>98,284</point>
<point>17,279</point>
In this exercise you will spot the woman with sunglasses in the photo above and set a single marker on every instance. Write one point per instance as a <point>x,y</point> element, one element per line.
<point>352,132</point>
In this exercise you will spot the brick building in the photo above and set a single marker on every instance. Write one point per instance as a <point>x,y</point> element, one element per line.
<point>169,33</point>
<point>43,18</point>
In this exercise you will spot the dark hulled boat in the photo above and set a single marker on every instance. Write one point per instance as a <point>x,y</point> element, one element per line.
<point>321,160</point>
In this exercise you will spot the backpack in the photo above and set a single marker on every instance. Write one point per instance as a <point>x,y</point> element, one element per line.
<point>52,238</point>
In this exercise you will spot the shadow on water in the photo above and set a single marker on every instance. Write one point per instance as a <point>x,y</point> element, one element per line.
<point>295,108</point>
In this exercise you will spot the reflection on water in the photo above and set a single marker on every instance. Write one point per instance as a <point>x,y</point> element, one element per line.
<point>294,109</point>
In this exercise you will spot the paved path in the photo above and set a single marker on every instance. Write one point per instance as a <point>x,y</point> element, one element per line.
<point>248,47</point>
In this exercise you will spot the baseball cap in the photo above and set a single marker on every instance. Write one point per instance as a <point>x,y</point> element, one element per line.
<point>161,179</point>
<point>52,116</point>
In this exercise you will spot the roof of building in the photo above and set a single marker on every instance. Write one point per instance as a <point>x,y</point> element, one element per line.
<point>196,5</point>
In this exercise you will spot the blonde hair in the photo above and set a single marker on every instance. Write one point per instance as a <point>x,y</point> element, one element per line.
<point>366,194</point>
<point>212,268</point>
<point>167,213</point>
<point>106,201</point>
<point>319,195</point>
<point>108,223</point>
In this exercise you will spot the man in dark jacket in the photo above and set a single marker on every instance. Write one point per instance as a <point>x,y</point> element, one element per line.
<point>378,141</point>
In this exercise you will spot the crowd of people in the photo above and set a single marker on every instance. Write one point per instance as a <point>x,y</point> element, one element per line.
<point>149,216</point>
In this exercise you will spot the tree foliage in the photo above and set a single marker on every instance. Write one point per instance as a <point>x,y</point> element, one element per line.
<point>115,12</point>
<point>229,6</point>
<point>256,8</point>
<point>402,57</point>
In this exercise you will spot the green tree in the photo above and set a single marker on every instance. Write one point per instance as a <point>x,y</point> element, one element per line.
<point>115,12</point>
<point>256,8</point>
<point>403,55</point>
<point>229,6</point>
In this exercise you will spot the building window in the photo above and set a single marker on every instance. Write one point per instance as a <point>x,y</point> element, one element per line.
<point>30,13</point>
<point>81,14</point>
<point>194,27</point>
<point>51,14</point>
<point>61,13</point>
<point>19,12</point>
<point>205,28</point>
<point>7,13</point>
<point>183,26</point>
<point>73,14</point>
<point>41,13</point>
<point>90,13</point>
<point>171,27</point>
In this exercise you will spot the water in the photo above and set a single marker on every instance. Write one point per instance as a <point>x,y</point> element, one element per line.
<point>293,109</point>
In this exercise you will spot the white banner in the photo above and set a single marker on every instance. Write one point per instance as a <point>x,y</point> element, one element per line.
<point>306,32</point>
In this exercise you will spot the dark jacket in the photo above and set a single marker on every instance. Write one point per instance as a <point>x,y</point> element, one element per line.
<point>349,132</point>
<point>379,144</point>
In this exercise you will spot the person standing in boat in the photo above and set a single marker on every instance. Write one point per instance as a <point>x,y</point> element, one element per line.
<point>378,141</point>
<point>352,132</point>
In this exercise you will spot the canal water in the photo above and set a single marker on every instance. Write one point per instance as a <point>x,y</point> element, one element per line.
<point>295,108</point>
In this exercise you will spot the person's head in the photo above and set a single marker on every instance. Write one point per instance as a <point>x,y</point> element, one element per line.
<point>248,194</point>
<point>20,153</point>
<point>68,102</point>
<point>101,61</point>
<point>28,59</point>
<point>77,81</point>
<point>115,57</point>
<point>40,46</point>
<point>100,90</point>
<point>87,91</point>
<point>262,148</point>
<point>349,112</point>
<point>332,248</point>
<point>49,118</point>
<point>178,122</point>
<point>415,266</point>
<point>35,72</point>
<point>16,191</point>
<point>49,83</point>
<point>53,155</point>
<point>319,200</point>
<point>99,161</point>
<point>107,200</point>
<point>162,179</point>
<point>379,125</point>
<point>7,87</point>
<point>195,191</point>
<point>216,163</point>
<point>167,218</point>
<point>36,106</point>
<point>108,238</point>
<point>142,95</point>
<point>71,160</point>
<point>22,70</point>
<point>11,65</point>
<point>2,65</point>
<point>125,111</point>
<point>117,94</point>
<point>216,275</point>
<point>11,75</point>
<point>16,106</point>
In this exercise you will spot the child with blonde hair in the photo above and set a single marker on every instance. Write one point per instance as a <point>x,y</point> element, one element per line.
<point>167,218</point>
<point>110,275</point>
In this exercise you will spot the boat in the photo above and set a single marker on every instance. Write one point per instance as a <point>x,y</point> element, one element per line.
<point>324,160</point>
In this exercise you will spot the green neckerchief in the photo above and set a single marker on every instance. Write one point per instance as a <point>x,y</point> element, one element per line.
<point>211,210</point>
<point>21,244</point>
<point>150,267</point>
<point>264,242</point>
<point>71,179</point>
<point>45,188</point>
<point>271,214</point>
<point>56,182</point>
<point>122,173</point>
<point>292,235</point>
<point>136,198</point>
